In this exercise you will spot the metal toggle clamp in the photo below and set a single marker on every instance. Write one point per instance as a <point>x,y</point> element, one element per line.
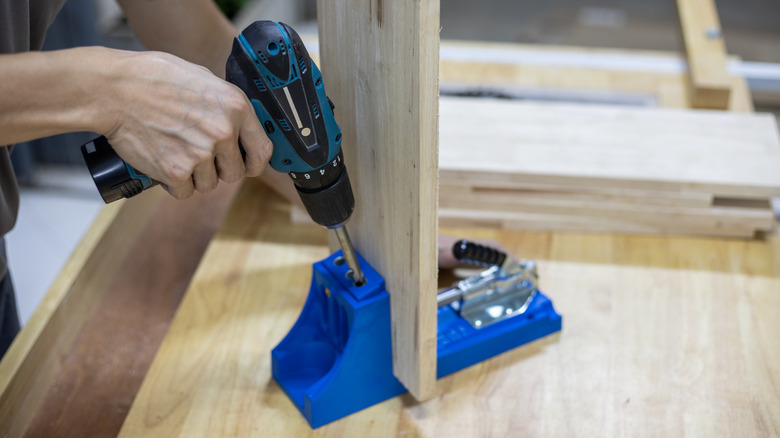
<point>337,358</point>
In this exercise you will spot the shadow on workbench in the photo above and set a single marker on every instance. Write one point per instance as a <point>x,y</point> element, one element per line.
<point>270,211</point>
<point>496,369</point>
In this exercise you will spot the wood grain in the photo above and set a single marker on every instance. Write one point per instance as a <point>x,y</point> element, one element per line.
<point>539,221</point>
<point>94,387</point>
<point>455,189</point>
<point>702,34</point>
<point>35,356</point>
<point>379,59</point>
<point>662,337</point>
<point>725,154</point>
<point>715,217</point>
<point>243,299</point>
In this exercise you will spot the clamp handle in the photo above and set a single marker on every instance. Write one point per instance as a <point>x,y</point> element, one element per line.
<point>476,254</point>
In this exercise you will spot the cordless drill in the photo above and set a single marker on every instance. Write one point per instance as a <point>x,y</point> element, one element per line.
<point>271,65</point>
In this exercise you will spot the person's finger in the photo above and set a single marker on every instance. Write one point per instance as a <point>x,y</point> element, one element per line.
<point>181,190</point>
<point>204,177</point>
<point>256,144</point>
<point>229,163</point>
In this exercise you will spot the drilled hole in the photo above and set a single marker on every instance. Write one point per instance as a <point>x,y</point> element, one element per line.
<point>351,275</point>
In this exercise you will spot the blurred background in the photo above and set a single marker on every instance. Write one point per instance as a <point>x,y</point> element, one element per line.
<point>59,200</point>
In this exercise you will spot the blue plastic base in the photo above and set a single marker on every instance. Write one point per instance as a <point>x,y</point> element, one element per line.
<point>337,359</point>
<point>460,345</point>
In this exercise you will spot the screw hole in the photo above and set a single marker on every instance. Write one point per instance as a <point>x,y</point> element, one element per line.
<point>338,138</point>
<point>286,161</point>
<point>339,261</point>
<point>273,48</point>
<point>351,275</point>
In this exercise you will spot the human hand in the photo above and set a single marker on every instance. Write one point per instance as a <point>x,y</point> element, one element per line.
<point>179,124</point>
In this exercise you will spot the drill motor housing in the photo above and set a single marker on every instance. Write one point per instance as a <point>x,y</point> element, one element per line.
<point>270,63</point>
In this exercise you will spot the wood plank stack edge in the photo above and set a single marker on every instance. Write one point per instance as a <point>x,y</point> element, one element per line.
<point>551,166</point>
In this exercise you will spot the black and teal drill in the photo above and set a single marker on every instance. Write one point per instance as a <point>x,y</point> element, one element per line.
<point>270,63</point>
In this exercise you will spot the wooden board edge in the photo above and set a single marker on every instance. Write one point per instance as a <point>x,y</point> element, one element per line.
<point>750,191</point>
<point>566,223</point>
<point>428,207</point>
<point>711,85</point>
<point>43,343</point>
<point>726,215</point>
<point>453,189</point>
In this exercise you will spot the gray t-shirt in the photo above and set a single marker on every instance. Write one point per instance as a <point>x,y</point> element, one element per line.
<point>23,25</point>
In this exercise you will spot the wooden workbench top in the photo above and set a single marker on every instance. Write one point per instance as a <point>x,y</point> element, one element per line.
<point>662,336</point>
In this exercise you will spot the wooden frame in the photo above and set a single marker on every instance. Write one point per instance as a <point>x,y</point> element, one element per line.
<point>631,76</point>
<point>703,39</point>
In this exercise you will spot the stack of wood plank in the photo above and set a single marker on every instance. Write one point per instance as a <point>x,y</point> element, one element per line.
<point>552,166</point>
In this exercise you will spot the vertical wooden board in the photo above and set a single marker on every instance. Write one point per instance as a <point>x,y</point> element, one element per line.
<point>380,63</point>
<point>702,34</point>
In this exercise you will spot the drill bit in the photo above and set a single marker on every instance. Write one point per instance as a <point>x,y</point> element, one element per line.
<point>349,255</point>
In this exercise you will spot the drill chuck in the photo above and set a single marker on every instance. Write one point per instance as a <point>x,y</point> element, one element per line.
<point>329,206</point>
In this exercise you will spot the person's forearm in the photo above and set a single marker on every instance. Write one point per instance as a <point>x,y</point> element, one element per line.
<point>171,119</point>
<point>48,93</point>
<point>195,30</point>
